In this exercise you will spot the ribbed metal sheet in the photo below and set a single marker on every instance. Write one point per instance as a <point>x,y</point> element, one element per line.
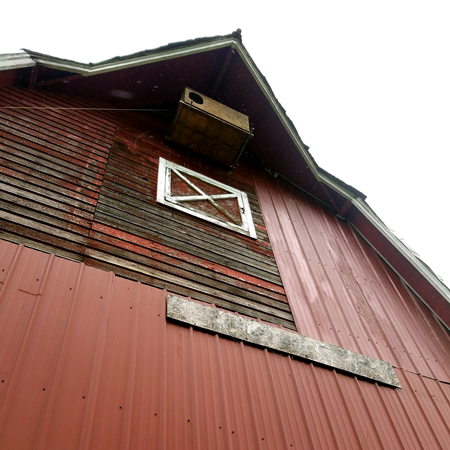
<point>341,292</point>
<point>88,360</point>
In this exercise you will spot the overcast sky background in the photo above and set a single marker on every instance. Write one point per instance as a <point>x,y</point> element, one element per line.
<point>367,84</point>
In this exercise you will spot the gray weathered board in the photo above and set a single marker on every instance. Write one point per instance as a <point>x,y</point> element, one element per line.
<point>248,330</point>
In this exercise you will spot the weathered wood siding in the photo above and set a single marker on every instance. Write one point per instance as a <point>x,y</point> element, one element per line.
<point>52,164</point>
<point>134,236</point>
<point>81,183</point>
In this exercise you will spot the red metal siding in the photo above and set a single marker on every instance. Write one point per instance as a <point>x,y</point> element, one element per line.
<point>434,299</point>
<point>88,360</point>
<point>341,292</point>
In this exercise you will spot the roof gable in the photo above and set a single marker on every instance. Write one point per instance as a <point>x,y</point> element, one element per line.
<point>221,68</point>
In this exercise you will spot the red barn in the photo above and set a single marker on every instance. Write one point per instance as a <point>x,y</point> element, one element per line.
<point>177,272</point>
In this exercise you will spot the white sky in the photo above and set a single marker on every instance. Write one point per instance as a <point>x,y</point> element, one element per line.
<point>367,84</point>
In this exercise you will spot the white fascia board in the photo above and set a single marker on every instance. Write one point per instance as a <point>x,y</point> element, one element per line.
<point>292,133</point>
<point>387,233</point>
<point>15,61</point>
<point>177,52</point>
<point>96,69</point>
<point>68,66</point>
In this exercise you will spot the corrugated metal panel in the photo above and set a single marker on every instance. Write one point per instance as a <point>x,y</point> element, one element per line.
<point>341,292</point>
<point>88,360</point>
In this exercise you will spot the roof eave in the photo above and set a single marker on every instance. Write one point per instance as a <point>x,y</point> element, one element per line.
<point>15,61</point>
<point>114,64</point>
<point>441,288</point>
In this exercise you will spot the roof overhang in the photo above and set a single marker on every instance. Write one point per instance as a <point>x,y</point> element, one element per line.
<point>16,61</point>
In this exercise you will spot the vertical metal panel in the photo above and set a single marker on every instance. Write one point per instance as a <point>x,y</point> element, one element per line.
<point>341,292</point>
<point>117,375</point>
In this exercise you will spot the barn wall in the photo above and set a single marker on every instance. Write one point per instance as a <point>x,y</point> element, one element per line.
<point>88,360</point>
<point>134,236</point>
<point>52,163</point>
<point>341,292</point>
<point>80,182</point>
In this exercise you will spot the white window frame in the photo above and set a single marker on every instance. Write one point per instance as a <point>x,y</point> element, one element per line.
<point>164,197</point>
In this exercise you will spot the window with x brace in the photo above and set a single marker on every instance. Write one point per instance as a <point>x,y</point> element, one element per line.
<point>203,197</point>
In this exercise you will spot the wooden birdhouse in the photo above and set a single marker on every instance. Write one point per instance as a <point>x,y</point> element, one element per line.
<point>210,128</point>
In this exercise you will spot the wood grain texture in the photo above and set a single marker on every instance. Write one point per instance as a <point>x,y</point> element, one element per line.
<point>51,169</point>
<point>138,238</point>
<point>82,184</point>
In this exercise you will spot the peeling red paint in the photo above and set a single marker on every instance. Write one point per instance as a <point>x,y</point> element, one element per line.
<point>139,245</point>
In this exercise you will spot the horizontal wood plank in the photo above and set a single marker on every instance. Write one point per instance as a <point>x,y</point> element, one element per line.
<point>55,163</point>
<point>69,189</point>
<point>189,279</point>
<point>185,224</point>
<point>42,234</point>
<point>55,135</point>
<point>28,190</point>
<point>140,228</point>
<point>42,222</point>
<point>222,278</point>
<point>43,170</point>
<point>63,152</point>
<point>36,178</point>
<point>102,123</point>
<point>123,268</point>
<point>41,246</point>
<point>10,202</point>
<point>40,118</point>
<point>147,247</point>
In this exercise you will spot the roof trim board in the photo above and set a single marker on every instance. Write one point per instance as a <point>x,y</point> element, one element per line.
<point>406,252</point>
<point>88,70</point>
<point>15,61</point>
<point>289,128</point>
<point>177,52</point>
<point>399,275</point>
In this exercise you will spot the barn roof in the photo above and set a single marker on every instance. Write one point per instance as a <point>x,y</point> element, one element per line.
<point>220,67</point>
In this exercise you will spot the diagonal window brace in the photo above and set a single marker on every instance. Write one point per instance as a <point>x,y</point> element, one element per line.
<point>203,196</point>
